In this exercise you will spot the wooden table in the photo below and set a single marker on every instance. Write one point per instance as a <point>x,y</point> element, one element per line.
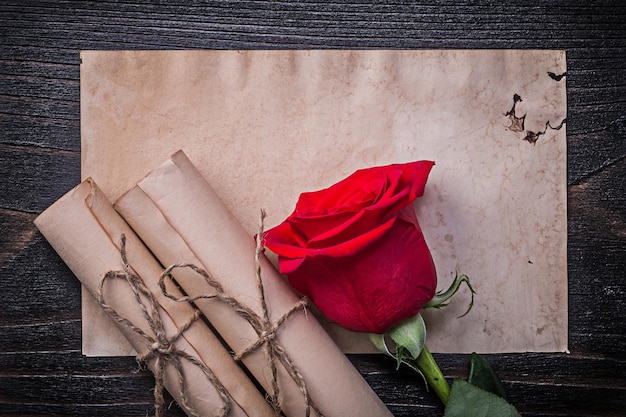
<point>42,371</point>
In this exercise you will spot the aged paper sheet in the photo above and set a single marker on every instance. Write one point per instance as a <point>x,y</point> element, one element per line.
<point>264,126</point>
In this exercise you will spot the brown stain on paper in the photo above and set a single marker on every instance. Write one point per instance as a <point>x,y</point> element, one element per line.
<point>517,122</point>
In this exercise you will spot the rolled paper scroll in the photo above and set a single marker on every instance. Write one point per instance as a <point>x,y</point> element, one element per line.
<point>197,370</point>
<point>182,220</point>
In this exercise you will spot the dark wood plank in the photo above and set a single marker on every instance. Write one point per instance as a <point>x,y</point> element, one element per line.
<point>37,287</point>
<point>125,409</point>
<point>525,375</point>
<point>34,178</point>
<point>41,369</point>
<point>596,258</point>
<point>16,230</point>
<point>46,132</point>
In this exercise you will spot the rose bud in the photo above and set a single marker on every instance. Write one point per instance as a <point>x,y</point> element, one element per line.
<point>356,248</point>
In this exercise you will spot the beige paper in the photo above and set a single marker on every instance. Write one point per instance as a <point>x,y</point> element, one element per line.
<point>181,219</point>
<point>84,229</point>
<point>264,126</point>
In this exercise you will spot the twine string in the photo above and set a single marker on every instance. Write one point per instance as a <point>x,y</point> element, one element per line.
<point>265,330</point>
<point>161,347</point>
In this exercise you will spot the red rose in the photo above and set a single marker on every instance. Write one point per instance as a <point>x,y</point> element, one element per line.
<point>356,248</point>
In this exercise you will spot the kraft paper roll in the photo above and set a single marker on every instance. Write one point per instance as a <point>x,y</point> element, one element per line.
<point>182,220</point>
<point>85,230</point>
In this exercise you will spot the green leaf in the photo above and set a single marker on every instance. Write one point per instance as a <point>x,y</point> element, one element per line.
<point>467,400</point>
<point>483,376</point>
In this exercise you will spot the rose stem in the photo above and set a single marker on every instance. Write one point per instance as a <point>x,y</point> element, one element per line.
<point>426,363</point>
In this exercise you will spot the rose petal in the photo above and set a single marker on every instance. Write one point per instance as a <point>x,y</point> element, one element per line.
<point>349,247</point>
<point>372,290</point>
<point>326,224</point>
<point>383,187</point>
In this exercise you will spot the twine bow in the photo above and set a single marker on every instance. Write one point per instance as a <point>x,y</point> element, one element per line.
<point>162,348</point>
<point>262,325</point>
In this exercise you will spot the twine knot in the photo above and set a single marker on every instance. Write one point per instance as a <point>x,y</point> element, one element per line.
<point>265,330</point>
<point>161,348</point>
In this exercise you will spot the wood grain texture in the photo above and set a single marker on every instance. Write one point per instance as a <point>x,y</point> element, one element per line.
<point>41,369</point>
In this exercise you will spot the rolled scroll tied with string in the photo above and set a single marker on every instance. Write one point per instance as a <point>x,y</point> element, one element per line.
<point>183,221</point>
<point>182,351</point>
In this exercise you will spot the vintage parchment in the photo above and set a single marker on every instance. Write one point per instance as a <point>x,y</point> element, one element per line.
<point>264,126</point>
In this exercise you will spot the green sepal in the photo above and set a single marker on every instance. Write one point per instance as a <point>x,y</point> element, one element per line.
<point>441,298</point>
<point>403,354</point>
<point>409,337</point>
<point>379,341</point>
